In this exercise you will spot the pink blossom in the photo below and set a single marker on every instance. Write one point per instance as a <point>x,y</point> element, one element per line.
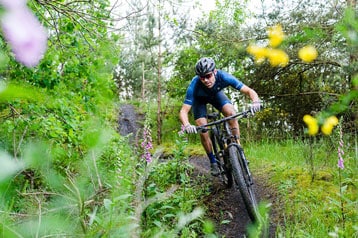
<point>13,4</point>
<point>182,130</point>
<point>26,36</point>
<point>147,144</point>
<point>341,163</point>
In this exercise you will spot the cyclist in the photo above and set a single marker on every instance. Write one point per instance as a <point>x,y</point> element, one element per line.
<point>206,88</point>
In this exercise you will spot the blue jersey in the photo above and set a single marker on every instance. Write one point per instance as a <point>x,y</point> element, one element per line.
<point>197,89</point>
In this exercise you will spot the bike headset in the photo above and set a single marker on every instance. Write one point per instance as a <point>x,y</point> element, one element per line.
<point>204,66</point>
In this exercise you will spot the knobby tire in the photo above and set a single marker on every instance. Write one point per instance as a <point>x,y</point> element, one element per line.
<point>242,181</point>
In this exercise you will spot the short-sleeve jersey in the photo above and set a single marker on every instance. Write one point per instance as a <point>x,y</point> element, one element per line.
<point>198,90</point>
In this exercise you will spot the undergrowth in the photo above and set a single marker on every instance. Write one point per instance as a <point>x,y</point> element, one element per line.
<point>309,199</point>
<point>181,213</point>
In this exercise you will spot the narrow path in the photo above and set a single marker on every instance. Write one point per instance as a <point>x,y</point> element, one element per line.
<point>128,122</point>
<point>225,206</point>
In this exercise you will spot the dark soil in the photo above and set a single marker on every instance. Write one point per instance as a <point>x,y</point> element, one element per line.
<point>128,122</point>
<point>225,206</point>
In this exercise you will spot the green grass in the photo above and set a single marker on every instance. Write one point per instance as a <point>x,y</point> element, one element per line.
<point>317,198</point>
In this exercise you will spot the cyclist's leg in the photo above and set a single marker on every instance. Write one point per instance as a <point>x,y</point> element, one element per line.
<point>199,109</point>
<point>207,144</point>
<point>227,109</point>
<point>204,137</point>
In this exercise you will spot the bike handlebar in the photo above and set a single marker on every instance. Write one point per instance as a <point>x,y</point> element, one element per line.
<point>243,114</point>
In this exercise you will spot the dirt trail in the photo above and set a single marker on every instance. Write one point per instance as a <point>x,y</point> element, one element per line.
<point>128,122</point>
<point>228,213</point>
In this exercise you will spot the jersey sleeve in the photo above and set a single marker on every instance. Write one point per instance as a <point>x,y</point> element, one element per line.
<point>231,80</point>
<point>189,97</point>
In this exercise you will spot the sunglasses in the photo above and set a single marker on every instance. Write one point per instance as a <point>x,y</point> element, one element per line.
<point>206,76</point>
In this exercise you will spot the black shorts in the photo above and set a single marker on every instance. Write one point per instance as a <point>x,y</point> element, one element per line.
<point>218,101</point>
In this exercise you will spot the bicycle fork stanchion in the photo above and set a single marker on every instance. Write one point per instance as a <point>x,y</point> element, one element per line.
<point>250,184</point>
<point>245,162</point>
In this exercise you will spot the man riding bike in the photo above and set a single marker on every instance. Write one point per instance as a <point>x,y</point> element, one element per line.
<point>206,87</point>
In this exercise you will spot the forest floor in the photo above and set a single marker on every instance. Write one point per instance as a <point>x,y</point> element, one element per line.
<point>224,206</point>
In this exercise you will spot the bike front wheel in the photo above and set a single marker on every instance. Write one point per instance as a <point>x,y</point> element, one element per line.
<point>243,180</point>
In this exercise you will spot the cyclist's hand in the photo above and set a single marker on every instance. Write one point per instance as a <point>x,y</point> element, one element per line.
<point>255,107</point>
<point>190,129</point>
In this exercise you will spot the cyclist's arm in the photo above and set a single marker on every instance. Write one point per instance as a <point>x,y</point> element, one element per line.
<point>229,79</point>
<point>189,98</point>
<point>250,92</point>
<point>183,114</point>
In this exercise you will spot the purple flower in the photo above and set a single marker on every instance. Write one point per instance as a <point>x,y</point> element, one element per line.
<point>147,144</point>
<point>13,4</point>
<point>341,163</point>
<point>182,130</point>
<point>26,36</point>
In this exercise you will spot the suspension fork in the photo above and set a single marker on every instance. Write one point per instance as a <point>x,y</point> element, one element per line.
<point>244,162</point>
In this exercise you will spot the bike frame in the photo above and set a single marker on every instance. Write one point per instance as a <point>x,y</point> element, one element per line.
<point>229,140</point>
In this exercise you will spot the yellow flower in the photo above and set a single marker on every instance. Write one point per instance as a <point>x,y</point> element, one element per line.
<point>307,53</point>
<point>328,125</point>
<point>275,35</point>
<point>258,52</point>
<point>277,57</point>
<point>312,124</point>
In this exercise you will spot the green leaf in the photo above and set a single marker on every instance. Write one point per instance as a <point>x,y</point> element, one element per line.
<point>9,166</point>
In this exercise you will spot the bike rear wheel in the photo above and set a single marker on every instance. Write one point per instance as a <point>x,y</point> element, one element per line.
<point>243,180</point>
<point>218,148</point>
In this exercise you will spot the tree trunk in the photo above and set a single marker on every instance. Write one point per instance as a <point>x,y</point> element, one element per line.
<point>159,96</point>
<point>143,82</point>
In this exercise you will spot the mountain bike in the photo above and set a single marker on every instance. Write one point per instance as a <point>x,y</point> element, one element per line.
<point>231,159</point>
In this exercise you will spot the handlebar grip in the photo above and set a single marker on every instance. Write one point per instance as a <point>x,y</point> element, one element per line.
<point>202,129</point>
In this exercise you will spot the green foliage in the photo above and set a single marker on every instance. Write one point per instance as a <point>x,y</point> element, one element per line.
<point>261,228</point>
<point>348,27</point>
<point>65,161</point>
<point>68,199</point>
<point>179,215</point>
<point>218,36</point>
<point>310,206</point>
<point>183,72</point>
<point>66,172</point>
